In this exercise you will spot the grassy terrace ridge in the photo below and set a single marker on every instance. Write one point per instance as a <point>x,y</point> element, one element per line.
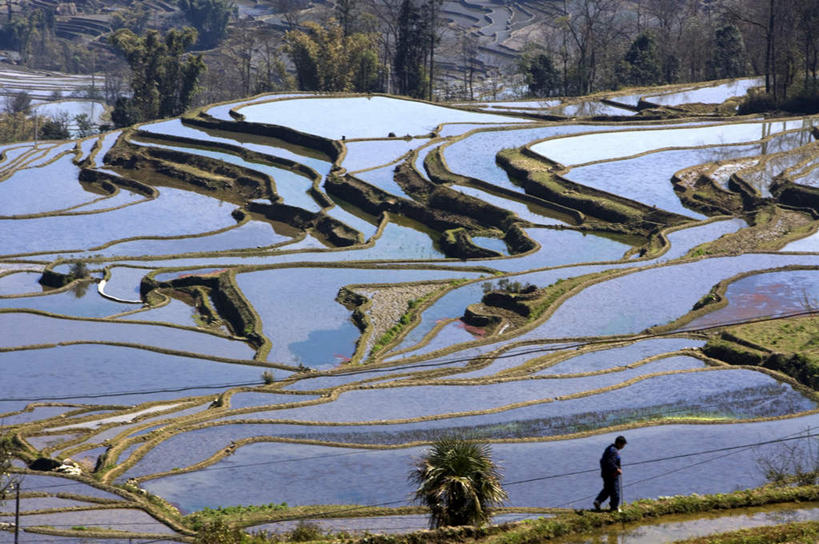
<point>789,345</point>
<point>564,523</point>
<point>805,532</point>
<point>576,523</point>
<point>531,305</point>
<point>539,177</point>
<point>771,228</point>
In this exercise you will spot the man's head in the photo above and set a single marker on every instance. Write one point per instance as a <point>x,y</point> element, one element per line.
<point>620,442</point>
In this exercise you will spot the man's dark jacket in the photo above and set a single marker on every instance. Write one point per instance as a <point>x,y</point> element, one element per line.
<point>610,462</point>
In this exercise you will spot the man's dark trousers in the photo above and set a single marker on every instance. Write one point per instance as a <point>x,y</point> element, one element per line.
<point>611,488</point>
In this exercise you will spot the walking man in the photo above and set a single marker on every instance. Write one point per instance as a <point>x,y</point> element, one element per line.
<point>610,471</point>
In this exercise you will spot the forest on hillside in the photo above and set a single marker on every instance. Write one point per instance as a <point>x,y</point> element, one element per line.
<point>434,49</point>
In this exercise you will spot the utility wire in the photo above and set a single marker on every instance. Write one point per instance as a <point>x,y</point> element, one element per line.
<point>734,450</point>
<point>366,451</point>
<point>671,458</point>
<point>731,449</point>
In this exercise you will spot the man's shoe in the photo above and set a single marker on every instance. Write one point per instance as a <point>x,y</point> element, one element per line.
<point>597,505</point>
<point>615,509</point>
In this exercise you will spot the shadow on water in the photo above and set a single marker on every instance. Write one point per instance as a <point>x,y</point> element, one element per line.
<point>326,348</point>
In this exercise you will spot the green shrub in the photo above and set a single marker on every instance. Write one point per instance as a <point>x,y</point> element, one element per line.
<point>305,531</point>
<point>508,286</point>
<point>218,532</point>
<point>77,270</point>
<point>757,103</point>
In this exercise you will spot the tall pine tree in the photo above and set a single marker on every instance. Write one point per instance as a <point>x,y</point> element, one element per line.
<point>729,58</point>
<point>641,65</point>
<point>409,63</point>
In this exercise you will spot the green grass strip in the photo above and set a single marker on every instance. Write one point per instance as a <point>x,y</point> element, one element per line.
<point>805,531</point>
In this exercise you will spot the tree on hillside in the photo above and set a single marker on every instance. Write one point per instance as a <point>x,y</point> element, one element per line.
<point>470,63</point>
<point>540,73</point>
<point>164,79</point>
<point>808,28</point>
<point>31,34</point>
<point>409,64</point>
<point>668,20</point>
<point>432,11</point>
<point>290,11</point>
<point>729,57</point>
<point>589,25</point>
<point>327,60</point>
<point>458,481</point>
<point>641,65</point>
<point>55,127</point>
<point>782,41</point>
<point>345,12</point>
<point>135,18</point>
<point>209,17</point>
<point>762,23</point>
<point>19,102</point>
<point>248,61</point>
<point>385,15</point>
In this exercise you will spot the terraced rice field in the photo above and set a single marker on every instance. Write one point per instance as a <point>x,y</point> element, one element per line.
<point>149,276</point>
<point>56,95</point>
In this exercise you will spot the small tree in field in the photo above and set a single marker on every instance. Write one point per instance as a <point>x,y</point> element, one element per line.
<point>7,480</point>
<point>459,482</point>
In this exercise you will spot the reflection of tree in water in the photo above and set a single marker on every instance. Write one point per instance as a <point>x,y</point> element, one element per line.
<point>589,109</point>
<point>80,288</point>
<point>787,141</point>
<point>809,175</point>
<point>795,147</point>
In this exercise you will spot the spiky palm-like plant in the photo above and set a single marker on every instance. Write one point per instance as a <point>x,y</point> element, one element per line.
<point>458,481</point>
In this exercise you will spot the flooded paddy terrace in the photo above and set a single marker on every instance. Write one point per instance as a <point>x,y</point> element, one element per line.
<point>139,306</point>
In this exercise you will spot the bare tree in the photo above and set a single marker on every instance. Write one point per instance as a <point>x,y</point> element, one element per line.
<point>436,30</point>
<point>667,18</point>
<point>758,18</point>
<point>695,39</point>
<point>290,11</point>
<point>589,24</point>
<point>808,26</point>
<point>115,82</point>
<point>239,50</point>
<point>469,61</point>
<point>386,14</point>
<point>792,463</point>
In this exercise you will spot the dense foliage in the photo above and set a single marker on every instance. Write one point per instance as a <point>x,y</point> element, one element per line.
<point>326,59</point>
<point>209,17</point>
<point>164,79</point>
<point>542,78</point>
<point>458,481</point>
<point>641,65</point>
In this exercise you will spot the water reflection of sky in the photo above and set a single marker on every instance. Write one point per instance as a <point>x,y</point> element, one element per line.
<point>766,294</point>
